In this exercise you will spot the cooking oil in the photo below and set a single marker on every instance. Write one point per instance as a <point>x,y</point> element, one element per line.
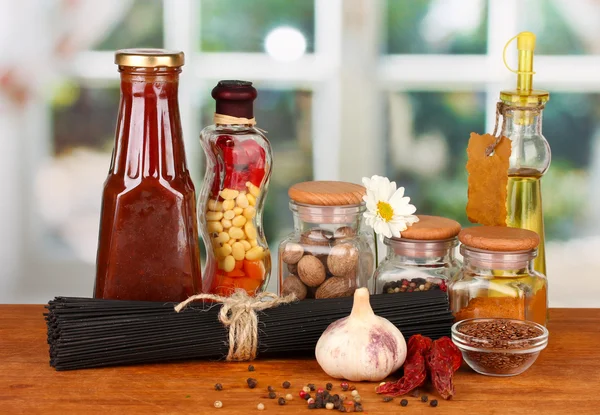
<point>524,208</point>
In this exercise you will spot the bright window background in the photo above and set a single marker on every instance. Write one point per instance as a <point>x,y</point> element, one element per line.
<point>384,87</point>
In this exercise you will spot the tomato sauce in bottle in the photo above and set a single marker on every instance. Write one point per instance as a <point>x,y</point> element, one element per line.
<point>148,246</point>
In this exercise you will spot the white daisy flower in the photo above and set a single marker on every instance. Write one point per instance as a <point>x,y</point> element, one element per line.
<point>388,210</point>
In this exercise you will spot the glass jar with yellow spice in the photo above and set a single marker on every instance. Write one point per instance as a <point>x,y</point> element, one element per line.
<point>497,277</point>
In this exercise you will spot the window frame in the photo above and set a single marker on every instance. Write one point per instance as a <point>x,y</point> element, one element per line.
<point>336,72</point>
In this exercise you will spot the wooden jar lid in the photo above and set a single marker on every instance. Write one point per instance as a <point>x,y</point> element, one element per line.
<point>323,193</point>
<point>499,238</point>
<point>430,228</point>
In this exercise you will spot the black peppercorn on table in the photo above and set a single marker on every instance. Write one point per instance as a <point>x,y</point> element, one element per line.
<point>566,377</point>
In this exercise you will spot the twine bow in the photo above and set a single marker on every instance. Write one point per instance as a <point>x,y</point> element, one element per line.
<point>238,314</point>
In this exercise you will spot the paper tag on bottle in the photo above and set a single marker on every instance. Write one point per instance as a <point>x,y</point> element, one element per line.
<point>488,179</point>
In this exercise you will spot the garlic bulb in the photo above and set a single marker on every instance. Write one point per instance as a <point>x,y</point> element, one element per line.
<point>361,346</point>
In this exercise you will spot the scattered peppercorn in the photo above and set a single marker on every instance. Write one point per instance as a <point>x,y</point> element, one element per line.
<point>289,397</point>
<point>329,405</point>
<point>311,386</point>
<point>357,398</point>
<point>310,400</point>
<point>270,388</point>
<point>286,385</point>
<point>272,395</point>
<point>320,390</point>
<point>403,402</point>
<point>251,383</point>
<point>352,387</point>
<point>306,389</point>
<point>354,392</point>
<point>433,403</point>
<point>424,398</point>
<point>387,399</point>
<point>250,368</point>
<point>260,406</point>
<point>302,394</point>
<point>342,409</point>
<point>281,401</point>
<point>218,387</point>
<point>344,386</point>
<point>358,408</point>
<point>311,406</point>
<point>329,386</point>
<point>307,396</point>
<point>218,404</point>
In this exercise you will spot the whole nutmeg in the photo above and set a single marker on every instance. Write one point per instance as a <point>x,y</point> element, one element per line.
<point>342,259</point>
<point>319,237</point>
<point>311,271</point>
<point>293,268</point>
<point>293,285</point>
<point>344,232</point>
<point>335,287</point>
<point>292,253</point>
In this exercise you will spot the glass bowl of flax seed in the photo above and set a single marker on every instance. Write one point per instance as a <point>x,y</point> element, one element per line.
<point>498,346</point>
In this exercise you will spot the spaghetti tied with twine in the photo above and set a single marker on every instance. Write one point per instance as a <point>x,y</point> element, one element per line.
<point>238,315</point>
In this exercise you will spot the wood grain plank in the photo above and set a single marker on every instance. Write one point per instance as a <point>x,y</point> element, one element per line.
<point>565,378</point>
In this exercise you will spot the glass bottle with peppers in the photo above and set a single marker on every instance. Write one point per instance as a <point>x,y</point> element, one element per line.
<point>148,247</point>
<point>238,169</point>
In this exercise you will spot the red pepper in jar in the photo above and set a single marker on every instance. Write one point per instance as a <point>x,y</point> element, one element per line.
<point>415,371</point>
<point>443,359</point>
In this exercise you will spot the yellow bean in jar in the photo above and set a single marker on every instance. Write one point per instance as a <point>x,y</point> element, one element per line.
<point>226,223</point>
<point>238,210</point>
<point>229,214</point>
<point>229,263</point>
<point>246,244</point>
<point>239,221</point>
<point>249,212</point>
<point>250,230</point>
<point>222,237</point>
<point>228,204</point>
<point>251,199</point>
<point>214,205</point>
<point>242,201</point>
<point>238,251</point>
<point>224,251</point>
<point>255,253</point>
<point>236,232</point>
<point>229,194</point>
<point>213,226</point>
<point>214,215</point>
<point>254,191</point>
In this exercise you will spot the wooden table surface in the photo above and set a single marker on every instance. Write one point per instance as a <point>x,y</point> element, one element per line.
<point>564,379</point>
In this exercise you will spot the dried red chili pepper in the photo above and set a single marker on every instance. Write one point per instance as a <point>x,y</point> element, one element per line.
<point>443,359</point>
<point>415,371</point>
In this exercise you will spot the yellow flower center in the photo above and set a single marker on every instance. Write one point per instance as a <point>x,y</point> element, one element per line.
<point>385,210</point>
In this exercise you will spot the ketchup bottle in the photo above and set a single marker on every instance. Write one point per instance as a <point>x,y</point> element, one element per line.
<point>148,247</point>
<point>238,168</point>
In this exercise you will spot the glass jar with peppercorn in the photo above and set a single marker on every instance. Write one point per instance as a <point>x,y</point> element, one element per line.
<point>238,168</point>
<point>497,277</point>
<point>329,254</point>
<point>422,259</point>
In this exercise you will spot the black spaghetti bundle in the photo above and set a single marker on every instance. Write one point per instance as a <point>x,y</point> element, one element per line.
<point>87,333</point>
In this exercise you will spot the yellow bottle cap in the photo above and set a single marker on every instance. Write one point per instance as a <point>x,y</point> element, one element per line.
<point>524,95</point>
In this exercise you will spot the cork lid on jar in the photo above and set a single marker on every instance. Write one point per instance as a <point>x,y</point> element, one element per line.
<point>432,228</point>
<point>499,238</point>
<point>327,193</point>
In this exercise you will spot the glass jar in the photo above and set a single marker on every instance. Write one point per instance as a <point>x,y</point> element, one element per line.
<point>497,277</point>
<point>148,247</point>
<point>422,259</point>
<point>329,254</point>
<point>238,169</point>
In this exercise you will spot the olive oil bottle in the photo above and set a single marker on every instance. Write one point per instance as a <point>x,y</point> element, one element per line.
<point>521,111</point>
<point>524,207</point>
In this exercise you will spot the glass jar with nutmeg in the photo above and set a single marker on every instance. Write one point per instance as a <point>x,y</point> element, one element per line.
<point>422,259</point>
<point>329,254</point>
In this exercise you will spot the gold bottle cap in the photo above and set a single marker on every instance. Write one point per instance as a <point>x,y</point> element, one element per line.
<point>149,58</point>
<point>524,95</point>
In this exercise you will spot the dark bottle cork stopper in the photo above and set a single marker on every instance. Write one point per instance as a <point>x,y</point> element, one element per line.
<point>235,98</point>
